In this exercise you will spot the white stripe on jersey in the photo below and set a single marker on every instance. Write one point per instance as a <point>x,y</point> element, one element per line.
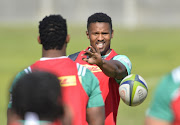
<point>28,70</point>
<point>84,71</point>
<point>176,75</point>
<point>77,64</point>
<point>81,69</point>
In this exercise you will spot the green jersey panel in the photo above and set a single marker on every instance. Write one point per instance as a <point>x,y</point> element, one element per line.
<point>126,62</point>
<point>13,84</point>
<point>91,85</point>
<point>161,103</point>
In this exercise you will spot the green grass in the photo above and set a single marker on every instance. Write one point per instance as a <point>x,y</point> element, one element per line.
<point>153,52</point>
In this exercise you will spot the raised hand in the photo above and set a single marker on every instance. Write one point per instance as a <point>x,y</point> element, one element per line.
<point>93,56</point>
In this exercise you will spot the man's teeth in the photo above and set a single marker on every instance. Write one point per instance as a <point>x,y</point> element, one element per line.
<point>100,45</point>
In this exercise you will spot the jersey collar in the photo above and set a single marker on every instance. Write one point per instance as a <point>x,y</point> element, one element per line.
<point>48,58</point>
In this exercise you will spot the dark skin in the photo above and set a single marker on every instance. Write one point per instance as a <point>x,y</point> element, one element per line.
<point>12,116</point>
<point>94,115</point>
<point>100,35</point>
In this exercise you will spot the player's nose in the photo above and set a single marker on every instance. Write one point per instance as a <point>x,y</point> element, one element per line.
<point>100,37</point>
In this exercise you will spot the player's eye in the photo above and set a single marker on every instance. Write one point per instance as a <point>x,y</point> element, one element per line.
<point>95,34</point>
<point>105,33</point>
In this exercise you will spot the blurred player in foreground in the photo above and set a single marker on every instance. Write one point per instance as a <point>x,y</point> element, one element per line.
<point>80,88</point>
<point>108,66</point>
<point>165,106</point>
<point>37,99</point>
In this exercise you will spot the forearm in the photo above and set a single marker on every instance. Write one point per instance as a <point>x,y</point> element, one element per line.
<point>113,68</point>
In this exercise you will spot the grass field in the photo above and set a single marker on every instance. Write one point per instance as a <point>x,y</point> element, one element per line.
<point>153,52</point>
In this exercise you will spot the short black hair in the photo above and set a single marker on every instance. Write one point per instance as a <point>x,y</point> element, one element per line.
<point>38,92</point>
<point>99,17</point>
<point>53,32</point>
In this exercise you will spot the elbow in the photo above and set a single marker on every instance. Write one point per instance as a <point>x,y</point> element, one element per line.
<point>121,73</point>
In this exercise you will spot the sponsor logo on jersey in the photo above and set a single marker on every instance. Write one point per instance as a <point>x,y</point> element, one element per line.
<point>68,80</point>
<point>93,68</point>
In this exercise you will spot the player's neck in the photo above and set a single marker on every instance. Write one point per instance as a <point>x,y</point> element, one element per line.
<point>53,53</point>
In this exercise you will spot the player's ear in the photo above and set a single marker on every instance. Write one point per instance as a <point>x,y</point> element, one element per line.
<point>67,38</point>
<point>112,33</point>
<point>87,33</point>
<point>39,40</point>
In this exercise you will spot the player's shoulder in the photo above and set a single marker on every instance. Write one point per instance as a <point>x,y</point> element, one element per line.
<point>176,75</point>
<point>27,70</point>
<point>82,70</point>
<point>172,78</point>
<point>74,56</point>
<point>125,61</point>
<point>118,56</point>
<point>169,79</point>
<point>23,72</point>
<point>122,58</point>
<point>19,75</point>
<point>87,78</point>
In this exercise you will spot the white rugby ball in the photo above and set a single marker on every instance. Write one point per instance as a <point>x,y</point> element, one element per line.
<point>133,90</point>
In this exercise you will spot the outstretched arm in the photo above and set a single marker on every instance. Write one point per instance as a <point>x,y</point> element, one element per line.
<point>111,68</point>
<point>95,115</point>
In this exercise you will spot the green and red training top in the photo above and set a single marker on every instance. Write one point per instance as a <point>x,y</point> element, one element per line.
<point>166,102</point>
<point>80,88</point>
<point>108,86</point>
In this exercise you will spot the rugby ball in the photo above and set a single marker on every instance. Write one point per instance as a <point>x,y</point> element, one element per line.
<point>133,90</point>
